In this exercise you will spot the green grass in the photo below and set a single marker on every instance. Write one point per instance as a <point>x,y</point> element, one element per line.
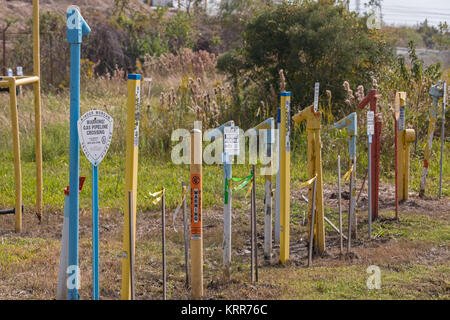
<point>349,282</point>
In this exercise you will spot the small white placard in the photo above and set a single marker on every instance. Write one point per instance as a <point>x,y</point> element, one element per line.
<point>19,71</point>
<point>288,126</point>
<point>401,119</point>
<point>370,123</point>
<point>95,130</point>
<point>231,140</point>
<point>316,96</point>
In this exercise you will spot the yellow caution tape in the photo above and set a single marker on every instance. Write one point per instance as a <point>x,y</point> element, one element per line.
<point>309,182</point>
<point>347,175</point>
<point>156,194</point>
<point>249,189</point>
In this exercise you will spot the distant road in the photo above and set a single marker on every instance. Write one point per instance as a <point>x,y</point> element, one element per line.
<point>429,56</point>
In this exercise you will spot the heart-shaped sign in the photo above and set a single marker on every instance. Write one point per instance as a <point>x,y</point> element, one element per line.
<point>95,130</point>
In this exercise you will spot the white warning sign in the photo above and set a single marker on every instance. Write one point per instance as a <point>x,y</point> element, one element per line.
<point>370,123</point>
<point>95,130</point>
<point>231,140</point>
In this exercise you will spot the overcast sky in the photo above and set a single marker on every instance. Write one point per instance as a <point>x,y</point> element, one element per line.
<point>410,12</point>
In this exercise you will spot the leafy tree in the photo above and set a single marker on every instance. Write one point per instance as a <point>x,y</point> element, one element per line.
<point>311,42</point>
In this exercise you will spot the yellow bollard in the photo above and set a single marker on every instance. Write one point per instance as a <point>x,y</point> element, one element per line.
<point>285,163</point>
<point>196,215</point>
<point>313,125</point>
<point>132,143</point>
<point>16,143</point>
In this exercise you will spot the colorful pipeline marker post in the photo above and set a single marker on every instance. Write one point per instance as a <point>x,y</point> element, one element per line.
<point>227,155</point>
<point>313,120</point>
<point>76,29</point>
<point>370,132</point>
<point>131,170</point>
<point>405,138</point>
<point>196,215</point>
<point>350,123</point>
<point>285,164</point>
<point>95,130</point>
<point>371,99</point>
<point>278,191</point>
<point>436,92</point>
<point>444,104</point>
<point>400,100</point>
<point>267,139</point>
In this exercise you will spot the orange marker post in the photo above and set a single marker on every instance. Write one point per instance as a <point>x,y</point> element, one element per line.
<point>196,215</point>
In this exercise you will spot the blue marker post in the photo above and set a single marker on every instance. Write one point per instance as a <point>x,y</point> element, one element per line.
<point>350,123</point>
<point>76,29</point>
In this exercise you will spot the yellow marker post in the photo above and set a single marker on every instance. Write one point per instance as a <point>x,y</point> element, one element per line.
<point>313,125</point>
<point>132,142</point>
<point>285,162</point>
<point>196,215</point>
<point>37,107</point>
<point>12,83</point>
<point>405,137</point>
<point>16,143</point>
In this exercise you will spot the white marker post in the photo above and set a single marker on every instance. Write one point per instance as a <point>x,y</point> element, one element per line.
<point>230,149</point>
<point>95,130</point>
<point>444,104</point>
<point>370,133</point>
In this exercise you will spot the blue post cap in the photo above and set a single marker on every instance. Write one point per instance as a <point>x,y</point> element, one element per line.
<point>76,25</point>
<point>133,76</point>
<point>285,93</point>
<point>350,122</point>
<point>437,91</point>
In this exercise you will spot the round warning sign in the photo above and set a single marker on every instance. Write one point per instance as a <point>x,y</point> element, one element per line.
<point>95,130</point>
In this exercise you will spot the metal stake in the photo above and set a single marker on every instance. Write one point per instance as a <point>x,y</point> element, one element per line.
<point>340,206</point>
<point>186,235</point>
<point>163,223</point>
<point>444,102</point>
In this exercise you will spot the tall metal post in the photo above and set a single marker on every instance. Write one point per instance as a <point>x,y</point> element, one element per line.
<point>227,203</point>
<point>76,29</point>
<point>371,99</point>
<point>268,130</point>
<point>163,234</point>
<point>339,204</point>
<point>278,189</point>
<point>37,107</point>
<point>95,235</point>
<point>444,104</point>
